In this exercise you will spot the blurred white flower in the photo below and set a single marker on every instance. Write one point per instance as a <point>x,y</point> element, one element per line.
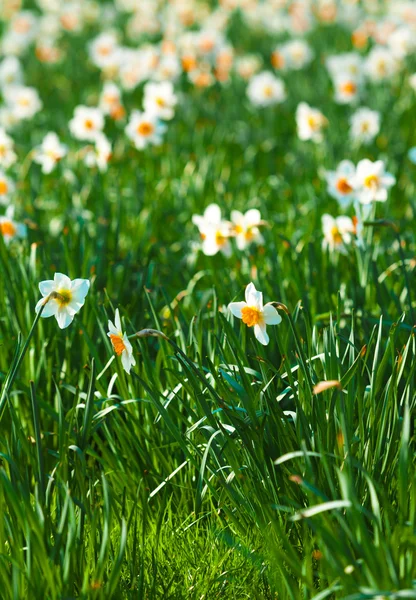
<point>99,155</point>
<point>215,232</point>
<point>50,152</point>
<point>6,188</point>
<point>145,129</point>
<point>310,122</point>
<point>110,98</point>
<point>66,298</point>
<point>371,182</point>
<point>246,227</point>
<point>86,123</point>
<point>160,99</point>
<point>10,71</point>
<point>339,182</point>
<point>346,88</point>
<point>254,314</point>
<point>380,64</point>
<point>265,89</point>
<point>337,233</point>
<point>365,125</point>
<point>7,155</point>
<point>11,229</point>
<point>23,101</point>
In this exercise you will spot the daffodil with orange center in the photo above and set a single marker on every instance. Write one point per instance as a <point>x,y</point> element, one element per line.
<point>254,314</point>
<point>122,346</point>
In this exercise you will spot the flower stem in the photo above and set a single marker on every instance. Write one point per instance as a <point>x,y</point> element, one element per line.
<point>15,367</point>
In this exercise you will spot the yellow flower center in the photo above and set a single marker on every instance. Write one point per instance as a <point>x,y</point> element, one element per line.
<point>238,229</point>
<point>268,91</point>
<point>336,235</point>
<point>7,228</point>
<point>371,181</point>
<point>23,101</point>
<point>251,316</point>
<point>3,188</point>
<point>89,124</point>
<point>63,297</point>
<point>220,238</point>
<point>313,122</point>
<point>349,88</point>
<point>145,129</point>
<point>160,102</point>
<point>118,343</point>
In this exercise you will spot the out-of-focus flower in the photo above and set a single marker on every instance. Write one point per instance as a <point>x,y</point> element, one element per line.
<point>23,101</point>
<point>10,71</point>
<point>254,314</point>
<point>294,54</point>
<point>11,229</point>
<point>337,232</point>
<point>145,129</point>
<point>6,188</point>
<point>66,298</point>
<point>365,125</point>
<point>247,66</point>
<point>380,64</point>
<point>160,99</point>
<point>7,155</point>
<point>310,122</point>
<point>103,49</point>
<point>86,123</point>
<point>265,89</point>
<point>50,152</point>
<point>122,346</point>
<point>215,232</point>
<point>371,182</point>
<point>346,89</point>
<point>339,182</point>
<point>348,63</point>
<point>110,98</point>
<point>402,41</point>
<point>100,154</point>
<point>246,227</point>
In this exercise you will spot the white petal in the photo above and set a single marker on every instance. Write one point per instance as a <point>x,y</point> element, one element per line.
<point>46,287</point>
<point>62,281</point>
<point>261,334</point>
<point>50,308</point>
<point>117,320</point>
<point>253,297</point>
<point>213,213</point>
<point>235,308</point>
<point>252,216</point>
<point>64,318</point>
<point>271,316</point>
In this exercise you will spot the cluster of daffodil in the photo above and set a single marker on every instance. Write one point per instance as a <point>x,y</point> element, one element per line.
<point>216,233</point>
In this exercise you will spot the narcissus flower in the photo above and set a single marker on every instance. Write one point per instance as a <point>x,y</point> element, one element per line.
<point>371,182</point>
<point>339,182</point>
<point>66,298</point>
<point>265,89</point>
<point>215,232</point>
<point>160,99</point>
<point>254,314</point>
<point>10,229</point>
<point>120,342</point>
<point>365,125</point>
<point>337,233</point>
<point>86,123</point>
<point>246,227</point>
<point>50,152</point>
<point>7,155</point>
<point>6,188</point>
<point>310,122</point>
<point>145,129</point>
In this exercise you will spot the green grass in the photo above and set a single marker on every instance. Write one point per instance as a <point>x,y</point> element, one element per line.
<point>197,476</point>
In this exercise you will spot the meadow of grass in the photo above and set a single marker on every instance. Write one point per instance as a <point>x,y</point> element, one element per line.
<point>217,468</point>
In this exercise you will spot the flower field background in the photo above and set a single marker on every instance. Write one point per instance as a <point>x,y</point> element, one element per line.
<point>169,431</point>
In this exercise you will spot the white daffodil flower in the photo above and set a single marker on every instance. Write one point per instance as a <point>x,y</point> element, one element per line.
<point>254,314</point>
<point>371,182</point>
<point>120,342</point>
<point>66,298</point>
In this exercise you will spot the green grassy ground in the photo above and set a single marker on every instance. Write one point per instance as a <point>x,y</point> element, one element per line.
<point>214,470</point>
